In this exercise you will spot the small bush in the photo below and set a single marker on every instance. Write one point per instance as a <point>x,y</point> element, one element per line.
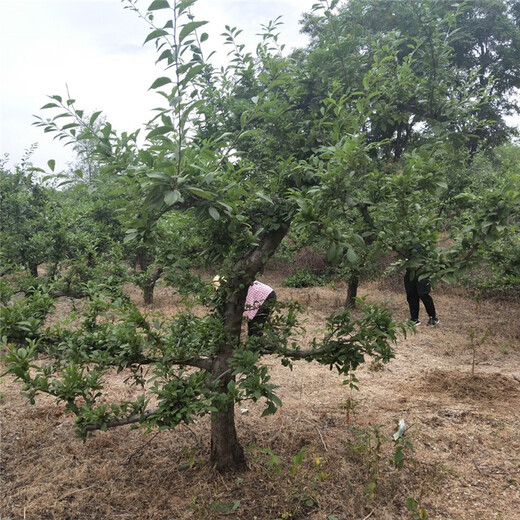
<point>304,278</point>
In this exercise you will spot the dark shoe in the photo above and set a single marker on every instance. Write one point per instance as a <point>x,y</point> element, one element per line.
<point>416,322</point>
<point>433,321</point>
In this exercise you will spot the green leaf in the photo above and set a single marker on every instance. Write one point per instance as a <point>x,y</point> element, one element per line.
<point>69,126</point>
<point>358,240</point>
<point>175,100</point>
<point>264,197</point>
<point>158,175</point>
<point>186,4</point>
<point>93,117</point>
<point>171,197</point>
<point>157,33</point>
<point>332,253</point>
<point>160,130</point>
<point>352,257</point>
<point>130,236</point>
<point>51,164</point>
<point>158,4</point>
<point>201,193</point>
<point>215,215</point>
<point>49,105</point>
<point>411,504</point>
<point>146,157</point>
<point>189,28</point>
<point>192,73</point>
<point>159,82</point>
<point>165,54</point>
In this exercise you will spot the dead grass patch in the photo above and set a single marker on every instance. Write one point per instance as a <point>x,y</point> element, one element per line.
<point>464,431</point>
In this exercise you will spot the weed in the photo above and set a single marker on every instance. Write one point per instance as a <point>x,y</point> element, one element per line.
<point>376,366</point>
<point>302,485</point>
<point>418,513</point>
<point>505,348</point>
<point>224,508</point>
<point>350,406</point>
<point>304,278</point>
<point>371,445</point>
<point>192,462</point>
<point>367,444</point>
<point>402,447</point>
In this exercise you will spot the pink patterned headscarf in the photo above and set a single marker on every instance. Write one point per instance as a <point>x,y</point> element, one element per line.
<point>256,296</point>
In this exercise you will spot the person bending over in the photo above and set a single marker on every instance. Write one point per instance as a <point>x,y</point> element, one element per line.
<point>258,306</point>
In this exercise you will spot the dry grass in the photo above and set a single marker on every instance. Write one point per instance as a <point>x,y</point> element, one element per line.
<point>465,432</point>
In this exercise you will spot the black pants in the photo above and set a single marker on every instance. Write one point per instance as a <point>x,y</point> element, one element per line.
<point>254,326</point>
<point>418,290</point>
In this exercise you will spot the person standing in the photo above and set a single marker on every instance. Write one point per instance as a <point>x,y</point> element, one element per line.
<point>418,289</point>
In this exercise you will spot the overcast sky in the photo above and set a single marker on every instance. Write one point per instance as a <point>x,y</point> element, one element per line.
<point>94,47</point>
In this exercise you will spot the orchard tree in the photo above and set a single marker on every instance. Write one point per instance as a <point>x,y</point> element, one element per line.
<point>484,41</point>
<point>102,159</point>
<point>398,66</point>
<point>29,224</point>
<point>234,161</point>
<point>236,151</point>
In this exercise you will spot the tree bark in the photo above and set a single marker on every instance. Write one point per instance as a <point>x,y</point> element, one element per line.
<point>352,291</point>
<point>144,261</point>
<point>226,452</point>
<point>148,293</point>
<point>33,269</point>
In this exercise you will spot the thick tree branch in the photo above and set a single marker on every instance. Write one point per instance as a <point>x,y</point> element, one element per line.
<point>303,354</point>
<point>253,263</point>
<point>367,217</point>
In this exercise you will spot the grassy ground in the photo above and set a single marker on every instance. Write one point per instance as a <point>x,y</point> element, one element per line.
<point>326,454</point>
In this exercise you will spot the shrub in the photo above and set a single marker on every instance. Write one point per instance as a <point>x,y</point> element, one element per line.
<point>304,278</point>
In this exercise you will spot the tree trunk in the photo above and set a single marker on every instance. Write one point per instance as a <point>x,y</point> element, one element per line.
<point>33,269</point>
<point>148,292</point>
<point>145,260</point>
<point>352,291</point>
<point>226,452</point>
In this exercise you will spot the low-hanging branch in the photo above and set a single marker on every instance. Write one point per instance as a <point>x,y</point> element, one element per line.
<point>202,363</point>
<point>122,422</point>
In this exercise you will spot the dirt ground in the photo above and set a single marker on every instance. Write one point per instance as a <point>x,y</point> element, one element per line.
<point>325,455</point>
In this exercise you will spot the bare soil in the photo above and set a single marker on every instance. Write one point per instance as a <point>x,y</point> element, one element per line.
<point>457,387</point>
